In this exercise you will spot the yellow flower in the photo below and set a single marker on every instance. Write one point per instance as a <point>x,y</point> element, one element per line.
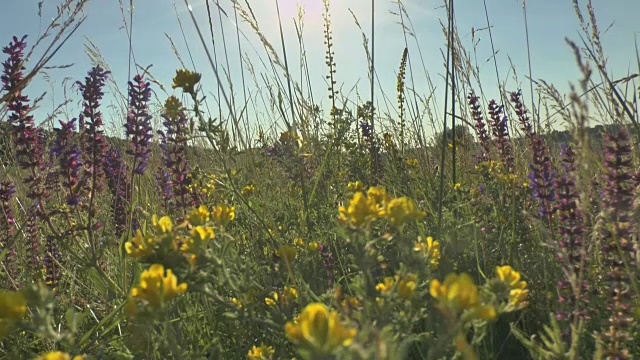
<point>518,298</point>
<point>386,286</point>
<point>199,216</point>
<point>58,355</point>
<point>510,277</point>
<point>355,186</point>
<point>237,302</point>
<point>199,236</point>
<point>485,312</point>
<point>140,246</point>
<point>289,294</point>
<point>411,162</point>
<point>458,292</point>
<point>319,331</point>
<point>379,196</point>
<point>172,107</point>
<point>286,253</point>
<point>271,301</point>
<point>457,186</point>
<point>156,288</point>
<point>400,210</point>
<point>223,214</point>
<point>186,80</point>
<point>360,212</point>
<point>298,242</point>
<point>517,289</point>
<point>262,352</point>
<point>430,249</point>
<point>313,246</point>
<point>407,286</point>
<point>164,225</point>
<point>12,305</point>
<point>248,190</point>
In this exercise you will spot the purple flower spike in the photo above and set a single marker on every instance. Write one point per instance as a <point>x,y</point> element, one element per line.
<point>27,138</point>
<point>138,125</point>
<point>69,160</point>
<point>116,171</point>
<point>572,252</point>
<point>7,227</point>
<point>92,136</point>
<point>616,230</point>
<point>480,126</point>
<point>500,132</point>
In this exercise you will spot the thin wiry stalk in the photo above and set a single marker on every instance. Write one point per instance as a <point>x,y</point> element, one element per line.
<point>444,122</point>
<point>215,56</point>
<point>215,70</point>
<point>244,86</point>
<point>236,127</point>
<point>526,30</point>
<point>493,49</point>
<point>453,91</point>
<point>286,66</point>
<point>373,69</point>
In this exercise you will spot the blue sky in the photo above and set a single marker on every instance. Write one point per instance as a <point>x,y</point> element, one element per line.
<point>550,21</point>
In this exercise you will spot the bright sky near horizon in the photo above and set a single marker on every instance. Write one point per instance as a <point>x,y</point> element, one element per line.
<point>550,22</point>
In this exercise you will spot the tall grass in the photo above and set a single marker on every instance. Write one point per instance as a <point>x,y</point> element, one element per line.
<point>371,229</point>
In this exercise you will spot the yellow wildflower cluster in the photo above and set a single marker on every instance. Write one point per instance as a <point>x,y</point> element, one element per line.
<point>430,249</point>
<point>318,331</point>
<point>401,210</point>
<point>262,352</point>
<point>58,355</point>
<point>173,106</point>
<point>146,246</point>
<point>457,294</point>
<point>237,302</point>
<point>363,209</point>
<point>186,80</point>
<point>290,138</point>
<point>202,183</point>
<point>355,186</point>
<point>411,162</point>
<point>155,289</point>
<point>288,295</point>
<point>186,239</point>
<point>223,214</point>
<point>13,307</point>
<point>406,286</point>
<point>248,190</point>
<point>518,292</point>
<point>312,246</point>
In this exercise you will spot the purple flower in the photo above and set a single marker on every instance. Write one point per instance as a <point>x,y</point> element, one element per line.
<point>116,171</point>
<point>92,135</point>
<point>138,125</point>
<point>500,133</point>
<point>616,230</point>
<point>174,143</point>
<point>541,175</point>
<point>69,161</point>
<point>328,262</point>
<point>12,67</point>
<point>27,138</point>
<point>51,262</point>
<point>572,252</point>
<point>479,125</point>
<point>7,227</point>
<point>521,113</point>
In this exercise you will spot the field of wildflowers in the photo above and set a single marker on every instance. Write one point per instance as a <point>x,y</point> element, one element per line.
<point>348,234</point>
